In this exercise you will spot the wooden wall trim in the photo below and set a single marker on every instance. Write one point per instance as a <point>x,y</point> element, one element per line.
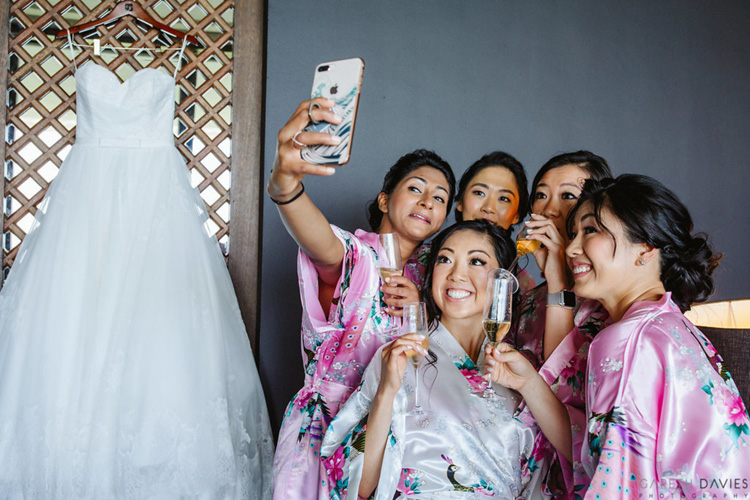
<point>244,258</point>
<point>4,37</point>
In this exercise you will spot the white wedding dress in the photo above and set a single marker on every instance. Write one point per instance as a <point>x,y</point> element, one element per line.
<point>125,369</point>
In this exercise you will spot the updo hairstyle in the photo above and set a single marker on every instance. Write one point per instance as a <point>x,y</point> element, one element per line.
<point>654,215</point>
<point>400,170</point>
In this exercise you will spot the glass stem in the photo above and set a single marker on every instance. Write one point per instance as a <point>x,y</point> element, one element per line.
<point>416,389</point>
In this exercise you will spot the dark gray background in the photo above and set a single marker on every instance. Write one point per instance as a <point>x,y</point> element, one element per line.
<point>660,88</point>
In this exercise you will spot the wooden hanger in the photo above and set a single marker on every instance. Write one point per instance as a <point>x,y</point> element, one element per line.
<point>121,10</point>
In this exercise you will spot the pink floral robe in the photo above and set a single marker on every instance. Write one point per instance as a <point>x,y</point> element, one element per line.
<point>665,419</point>
<point>565,372</point>
<point>335,350</point>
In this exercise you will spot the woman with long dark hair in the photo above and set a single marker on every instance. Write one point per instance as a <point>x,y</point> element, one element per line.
<point>467,445</point>
<point>346,318</point>
<point>664,418</point>
<point>552,326</point>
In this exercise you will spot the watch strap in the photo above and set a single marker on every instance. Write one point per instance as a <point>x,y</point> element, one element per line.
<point>565,298</point>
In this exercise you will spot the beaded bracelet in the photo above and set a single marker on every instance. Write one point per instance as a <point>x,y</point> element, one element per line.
<point>291,199</point>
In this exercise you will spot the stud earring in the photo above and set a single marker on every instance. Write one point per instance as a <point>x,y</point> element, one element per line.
<point>641,262</point>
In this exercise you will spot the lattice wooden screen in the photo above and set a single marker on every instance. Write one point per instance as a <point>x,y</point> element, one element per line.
<point>41,96</point>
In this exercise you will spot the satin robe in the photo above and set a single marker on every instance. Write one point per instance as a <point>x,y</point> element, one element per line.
<point>466,447</point>
<point>335,351</point>
<point>565,373</point>
<point>665,418</point>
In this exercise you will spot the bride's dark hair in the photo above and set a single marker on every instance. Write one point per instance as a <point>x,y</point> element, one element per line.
<point>505,252</point>
<point>654,215</point>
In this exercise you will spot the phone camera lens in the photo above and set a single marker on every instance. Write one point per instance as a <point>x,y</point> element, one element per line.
<point>323,68</point>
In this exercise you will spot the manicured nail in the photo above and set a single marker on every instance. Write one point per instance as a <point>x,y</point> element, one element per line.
<point>489,369</point>
<point>336,139</point>
<point>421,337</point>
<point>330,170</point>
<point>388,279</point>
<point>491,362</point>
<point>497,351</point>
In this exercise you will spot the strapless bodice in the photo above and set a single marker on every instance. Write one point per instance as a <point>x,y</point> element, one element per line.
<point>137,112</point>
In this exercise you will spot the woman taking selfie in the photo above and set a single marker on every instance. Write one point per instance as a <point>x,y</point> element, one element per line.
<point>462,444</point>
<point>494,188</point>
<point>664,418</point>
<point>344,317</point>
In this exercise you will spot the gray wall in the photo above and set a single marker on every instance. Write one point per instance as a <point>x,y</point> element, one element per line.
<point>660,88</point>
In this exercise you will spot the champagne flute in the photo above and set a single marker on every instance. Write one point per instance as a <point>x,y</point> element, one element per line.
<point>524,246</point>
<point>415,321</point>
<point>501,285</point>
<point>389,262</point>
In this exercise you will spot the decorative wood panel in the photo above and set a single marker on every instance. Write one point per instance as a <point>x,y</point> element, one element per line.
<point>41,96</point>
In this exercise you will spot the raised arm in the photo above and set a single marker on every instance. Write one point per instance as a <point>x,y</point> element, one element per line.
<point>511,369</point>
<point>302,219</point>
<point>394,361</point>
<point>551,260</point>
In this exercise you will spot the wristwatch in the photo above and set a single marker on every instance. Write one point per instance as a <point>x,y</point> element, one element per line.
<point>566,299</point>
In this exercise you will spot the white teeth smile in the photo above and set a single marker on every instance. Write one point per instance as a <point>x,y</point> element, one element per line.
<point>581,269</point>
<point>421,217</point>
<point>458,294</point>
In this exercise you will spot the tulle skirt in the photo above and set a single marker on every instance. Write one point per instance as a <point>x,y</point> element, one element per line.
<point>125,369</point>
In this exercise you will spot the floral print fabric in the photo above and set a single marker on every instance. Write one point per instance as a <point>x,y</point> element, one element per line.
<point>565,373</point>
<point>665,419</point>
<point>335,351</point>
<point>467,447</point>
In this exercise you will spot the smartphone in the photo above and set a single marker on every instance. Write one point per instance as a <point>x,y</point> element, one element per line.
<point>339,81</point>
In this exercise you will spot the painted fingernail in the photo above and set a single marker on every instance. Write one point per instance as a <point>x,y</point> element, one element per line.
<point>421,337</point>
<point>489,369</point>
<point>491,362</point>
<point>388,280</point>
<point>336,139</point>
<point>497,351</point>
<point>330,170</point>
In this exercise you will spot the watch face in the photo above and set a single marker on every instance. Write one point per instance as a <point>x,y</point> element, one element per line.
<point>568,298</point>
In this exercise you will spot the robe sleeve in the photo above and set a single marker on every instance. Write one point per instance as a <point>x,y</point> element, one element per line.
<point>356,267</point>
<point>344,443</point>
<point>680,427</point>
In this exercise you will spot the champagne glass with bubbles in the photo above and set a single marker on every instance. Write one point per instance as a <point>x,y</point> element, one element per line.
<point>501,285</point>
<point>415,321</point>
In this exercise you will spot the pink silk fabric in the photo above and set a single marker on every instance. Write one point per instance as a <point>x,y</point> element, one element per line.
<point>565,373</point>
<point>335,351</point>
<point>665,419</point>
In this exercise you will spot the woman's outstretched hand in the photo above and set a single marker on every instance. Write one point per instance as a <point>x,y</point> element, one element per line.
<point>397,291</point>
<point>289,168</point>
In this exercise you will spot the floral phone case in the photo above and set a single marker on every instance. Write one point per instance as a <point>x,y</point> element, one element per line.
<point>339,81</point>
